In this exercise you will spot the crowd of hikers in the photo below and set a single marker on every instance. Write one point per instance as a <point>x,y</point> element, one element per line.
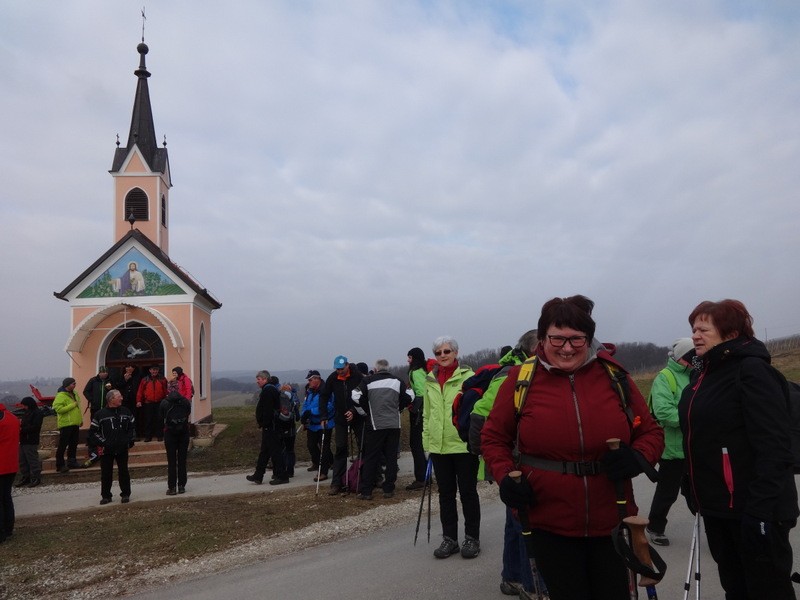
<point>558,424</point>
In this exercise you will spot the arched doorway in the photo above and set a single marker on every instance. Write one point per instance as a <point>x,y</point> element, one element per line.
<point>135,344</point>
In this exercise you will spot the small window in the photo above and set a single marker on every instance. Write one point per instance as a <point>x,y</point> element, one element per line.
<point>163,210</point>
<point>136,203</point>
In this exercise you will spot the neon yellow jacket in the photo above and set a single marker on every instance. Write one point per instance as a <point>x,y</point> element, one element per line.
<point>68,408</point>
<point>439,435</point>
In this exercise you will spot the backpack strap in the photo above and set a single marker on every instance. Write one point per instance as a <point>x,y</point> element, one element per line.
<point>524,379</point>
<point>619,383</point>
<point>670,377</point>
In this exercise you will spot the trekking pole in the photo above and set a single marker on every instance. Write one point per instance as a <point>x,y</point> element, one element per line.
<point>422,502</point>
<point>361,456</point>
<point>430,495</point>
<point>697,561</point>
<point>528,538</point>
<point>319,466</point>
<point>687,585</point>
<point>622,508</point>
<point>641,549</point>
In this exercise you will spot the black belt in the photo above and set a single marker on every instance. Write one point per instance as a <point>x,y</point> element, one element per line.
<point>589,467</point>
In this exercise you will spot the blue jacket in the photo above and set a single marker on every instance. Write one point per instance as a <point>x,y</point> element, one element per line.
<point>309,413</point>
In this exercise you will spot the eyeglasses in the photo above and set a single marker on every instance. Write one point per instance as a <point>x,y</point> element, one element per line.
<point>576,341</point>
<point>440,352</point>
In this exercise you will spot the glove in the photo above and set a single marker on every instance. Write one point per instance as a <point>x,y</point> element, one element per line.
<point>516,494</point>
<point>756,535</point>
<point>621,464</point>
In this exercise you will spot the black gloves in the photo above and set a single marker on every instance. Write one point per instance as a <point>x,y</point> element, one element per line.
<point>756,535</point>
<point>622,463</point>
<point>516,494</point>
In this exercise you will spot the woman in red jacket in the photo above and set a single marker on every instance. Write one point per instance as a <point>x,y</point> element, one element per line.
<point>569,474</point>
<point>9,449</point>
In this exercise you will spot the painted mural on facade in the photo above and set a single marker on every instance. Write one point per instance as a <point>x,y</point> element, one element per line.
<point>132,275</point>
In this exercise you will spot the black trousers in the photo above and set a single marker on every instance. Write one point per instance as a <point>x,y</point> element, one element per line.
<point>315,442</point>
<point>67,440</point>
<point>177,445</point>
<point>580,567</point>
<point>6,505</point>
<point>153,423</point>
<point>271,449</point>
<point>415,443</point>
<point>381,443</point>
<point>743,574</point>
<point>107,473</point>
<point>667,489</point>
<point>458,473</point>
<point>288,453</point>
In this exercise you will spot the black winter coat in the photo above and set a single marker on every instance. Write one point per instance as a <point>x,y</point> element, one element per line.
<point>735,417</point>
<point>30,426</point>
<point>269,403</point>
<point>341,390</point>
<point>113,429</point>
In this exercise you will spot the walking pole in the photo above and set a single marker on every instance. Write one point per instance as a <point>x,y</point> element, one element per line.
<point>687,585</point>
<point>319,466</point>
<point>622,508</point>
<point>361,456</point>
<point>697,562</point>
<point>422,502</point>
<point>526,535</point>
<point>641,549</point>
<point>430,495</point>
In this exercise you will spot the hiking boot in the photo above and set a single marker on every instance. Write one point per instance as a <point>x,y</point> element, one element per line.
<point>659,539</point>
<point>388,494</point>
<point>364,497</point>
<point>181,489</point>
<point>470,548</point>
<point>23,482</point>
<point>322,477</point>
<point>448,548</point>
<point>312,468</point>
<point>335,490</point>
<point>510,588</point>
<point>255,479</point>
<point>416,485</point>
<point>105,501</point>
<point>125,499</point>
<point>172,492</point>
<point>63,470</point>
<point>278,480</point>
<point>34,482</point>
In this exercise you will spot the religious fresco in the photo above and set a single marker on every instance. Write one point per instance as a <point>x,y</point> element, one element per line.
<point>132,275</point>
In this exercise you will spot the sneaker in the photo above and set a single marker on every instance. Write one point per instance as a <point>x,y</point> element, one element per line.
<point>172,492</point>
<point>105,501</point>
<point>416,485</point>
<point>470,548</point>
<point>335,490</point>
<point>322,477</point>
<point>125,499</point>
<point>255,479</point>
<point>181,489</point>
<point>448,548</point>
<point>278,480</point>
<point>364,497</point>
<point>659,539</point>
<point>510,588</point>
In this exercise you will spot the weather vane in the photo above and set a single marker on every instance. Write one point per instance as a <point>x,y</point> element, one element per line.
<point>144,18</point>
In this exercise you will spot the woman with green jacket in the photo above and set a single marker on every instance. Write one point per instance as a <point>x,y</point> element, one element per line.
<point>417,370</point>
<point>456,469</point>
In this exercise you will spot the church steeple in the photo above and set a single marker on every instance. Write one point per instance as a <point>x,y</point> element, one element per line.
<point>141,169</point>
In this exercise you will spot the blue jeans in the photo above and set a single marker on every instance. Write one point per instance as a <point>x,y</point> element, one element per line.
<point>516,564</point>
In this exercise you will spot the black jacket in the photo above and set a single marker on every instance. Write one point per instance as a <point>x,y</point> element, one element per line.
<point>95,392</point>
<point>269,403</point>
<point>176,412</point>
<point>341,390</point>
<point>113,429</point>
<point>30,423</point>
<point>736,411</point>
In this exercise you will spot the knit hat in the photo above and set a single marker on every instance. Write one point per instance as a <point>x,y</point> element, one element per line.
<point>67,381</point>
<point>29,402</point>
<point>339,362</point>
<point>102,369</point>
<point>681,347</point>
<point>178,371</point>
<point>313,373</point>
<point>363,368</point>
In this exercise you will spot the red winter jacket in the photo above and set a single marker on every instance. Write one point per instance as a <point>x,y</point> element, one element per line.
<point>9,441</point>
<point>152,390</point>
<point>569,417</point>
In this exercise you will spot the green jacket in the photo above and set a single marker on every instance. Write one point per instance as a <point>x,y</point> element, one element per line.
<point>665,407</point>
<point>68,408</point>
<point>417,381</point>
<point>439,435</point>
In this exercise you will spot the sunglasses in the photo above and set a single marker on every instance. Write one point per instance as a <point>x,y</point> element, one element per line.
<point>440,352</point>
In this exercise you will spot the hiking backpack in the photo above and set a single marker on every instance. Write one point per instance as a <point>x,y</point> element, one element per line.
<point>472,390</point>
<point>288,413</point>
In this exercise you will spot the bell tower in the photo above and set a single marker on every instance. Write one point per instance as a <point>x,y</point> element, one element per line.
<point>141,171</point>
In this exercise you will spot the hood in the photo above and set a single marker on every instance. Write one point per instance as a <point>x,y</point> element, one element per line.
<point>736,349</point>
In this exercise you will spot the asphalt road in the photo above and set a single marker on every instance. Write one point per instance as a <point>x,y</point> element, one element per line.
<point>385,564</point>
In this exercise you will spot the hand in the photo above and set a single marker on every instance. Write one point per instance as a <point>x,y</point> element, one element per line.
<point>348,415</point>
<point>324,424</point>
<point>621,464</point>
<point>756,535</point>
<point>516,494</point>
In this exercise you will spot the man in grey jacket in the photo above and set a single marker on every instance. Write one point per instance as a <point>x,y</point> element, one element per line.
<point>379,398</point>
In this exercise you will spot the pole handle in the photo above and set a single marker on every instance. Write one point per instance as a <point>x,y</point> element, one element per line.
<point>640,546</point>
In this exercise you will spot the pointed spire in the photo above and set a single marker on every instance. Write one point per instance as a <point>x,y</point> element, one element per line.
<point>142,132</point>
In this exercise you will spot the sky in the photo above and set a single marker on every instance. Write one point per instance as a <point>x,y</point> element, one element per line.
<point>360,177</point>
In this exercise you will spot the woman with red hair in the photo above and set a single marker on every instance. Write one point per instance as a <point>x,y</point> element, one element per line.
<point>735,420</point>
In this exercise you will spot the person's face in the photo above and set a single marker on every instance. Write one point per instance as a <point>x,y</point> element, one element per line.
<point>560,348</point>
<point>115,400</point>
<point>70,387</point>
<point>409,359</point>
<point>705,335</point>
<point>128,370</point>
<point>131,267</point>
<point>343,370</point>
<point>314,382</point>
<point>153,371</point>
<point>445,355</point>
<point>261,381</point>
<point>174,373</point>
<point>103,375</point>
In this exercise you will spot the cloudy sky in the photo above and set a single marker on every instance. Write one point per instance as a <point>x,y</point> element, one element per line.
<point>360,177</point>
